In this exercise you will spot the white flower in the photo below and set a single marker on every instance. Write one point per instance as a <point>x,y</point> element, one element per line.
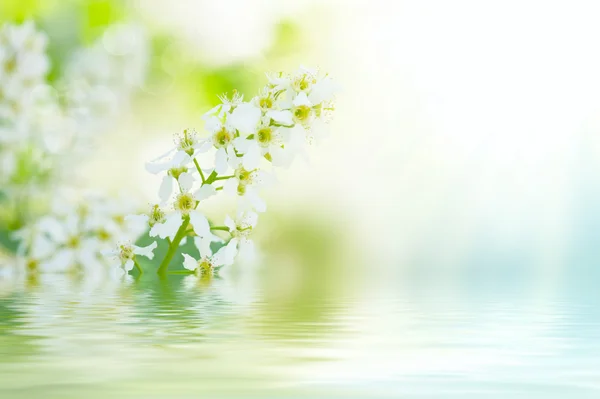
<point>245,185</point>
<point>177,172</point>
<point>266,140</point>
<point>240,230</point>
<point>189,142</point>
<point>185,207</point>
<point>125,254</point>
<point>209,263</point>
<point>74,248</point>
<point>221,138</point>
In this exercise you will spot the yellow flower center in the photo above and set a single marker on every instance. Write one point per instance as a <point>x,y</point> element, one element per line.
<point>32,265</point>
<point>186,141</point>
<point>103,235</point>
<point>126,252</point>
<point>156,215</point>
<point>265,103</point>
<point>185,203</point>
<point>302,113</point>
<point>73,242</point>
<point>176,172</point>
<point>205,267</point>
<point>264,136</point>
<point>243,175</point>
<point>222,138</point>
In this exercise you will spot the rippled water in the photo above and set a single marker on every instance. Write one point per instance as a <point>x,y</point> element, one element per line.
<point>66,337</point>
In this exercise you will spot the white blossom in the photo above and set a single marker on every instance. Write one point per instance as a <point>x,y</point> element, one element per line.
<point>209,263</point>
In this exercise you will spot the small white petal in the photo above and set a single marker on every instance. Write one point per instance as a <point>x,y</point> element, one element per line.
<point>225,256</point>
<point>200,223</point>
<point>245,117</point>
<point>128,265</point>
<point>203,244</point>
<point>166,188</point>
<point>251,159</point>
<point>168,228</point>
<point>147,251</point>
<point>189,263</point>
<point>230,223</point>
<point>204,145</point>
<point>301,99</point>
<point>212,123</point>
<point>204,192</point>
<point>283,117</point>
<point>186,181</point>
<point>241,144</point>
<point>221,161</point>
<point>166,154</point>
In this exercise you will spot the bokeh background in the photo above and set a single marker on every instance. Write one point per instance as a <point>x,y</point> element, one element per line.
<point>463,170</point>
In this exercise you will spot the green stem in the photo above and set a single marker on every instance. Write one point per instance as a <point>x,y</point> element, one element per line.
<point>173,247</point>
<point>223,177</point>
<point>211,178</point>
<point>138,267</point>
<point>199,170</point>
<point>181,272</point>
<point>224,228</point>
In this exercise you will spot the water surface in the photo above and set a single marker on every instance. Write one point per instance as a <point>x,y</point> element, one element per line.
<point>72,337</point>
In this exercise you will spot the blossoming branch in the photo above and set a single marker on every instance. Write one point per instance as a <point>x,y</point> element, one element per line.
<point>274,127</point>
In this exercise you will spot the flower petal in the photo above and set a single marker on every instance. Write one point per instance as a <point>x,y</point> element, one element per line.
<point>221,161</point>
<point>189,263</point>
<point>245,117</point>
<point>283,117</point>
<point>147,251</point>
<point>241,144</point>
<point>186,181</point>
<point>203,245</point>
<point>168,228</point>
<point>204,192</point>
<point>301,99</point>
<point>230,223</point>
<point>251,159</point>
<point>200,223</point>
<point>128,265</point>
<point>166,188</point>
<point>225,256</point>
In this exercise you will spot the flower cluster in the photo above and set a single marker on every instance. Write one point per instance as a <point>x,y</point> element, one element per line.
<point>46,130</point>
<point>243,136</point>
<point>76,237</point>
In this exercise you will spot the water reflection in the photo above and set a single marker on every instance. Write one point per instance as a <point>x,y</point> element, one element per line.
<point>63,336</point>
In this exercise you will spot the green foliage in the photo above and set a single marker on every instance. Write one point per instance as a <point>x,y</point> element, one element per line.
<point>7,241</point>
